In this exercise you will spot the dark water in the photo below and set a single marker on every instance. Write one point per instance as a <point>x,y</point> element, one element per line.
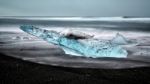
<point>93,22</point>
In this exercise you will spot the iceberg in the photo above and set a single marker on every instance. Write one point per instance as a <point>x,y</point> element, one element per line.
<point>87,47</point>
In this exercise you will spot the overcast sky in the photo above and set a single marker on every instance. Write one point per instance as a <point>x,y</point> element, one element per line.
<point>75,8</point>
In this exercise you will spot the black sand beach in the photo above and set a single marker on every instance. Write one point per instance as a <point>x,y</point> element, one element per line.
<point>16,71</point>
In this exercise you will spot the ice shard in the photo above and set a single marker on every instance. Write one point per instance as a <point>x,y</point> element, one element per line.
<point>119,39</point>
<point>86,47</point>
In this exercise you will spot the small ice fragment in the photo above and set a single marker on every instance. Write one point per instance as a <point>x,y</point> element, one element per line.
<point>119,39</point>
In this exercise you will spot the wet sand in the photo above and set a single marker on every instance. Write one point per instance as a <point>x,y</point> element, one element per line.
<point>16,71</point>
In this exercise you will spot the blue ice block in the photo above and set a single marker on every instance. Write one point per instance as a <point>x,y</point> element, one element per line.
<point>87,47</point>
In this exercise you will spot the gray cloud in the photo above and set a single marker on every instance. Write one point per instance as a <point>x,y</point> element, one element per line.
<point>74,7</point>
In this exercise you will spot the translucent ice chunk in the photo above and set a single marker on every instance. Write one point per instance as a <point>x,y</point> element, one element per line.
<point>119,39</point>
<point>87,47</point>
